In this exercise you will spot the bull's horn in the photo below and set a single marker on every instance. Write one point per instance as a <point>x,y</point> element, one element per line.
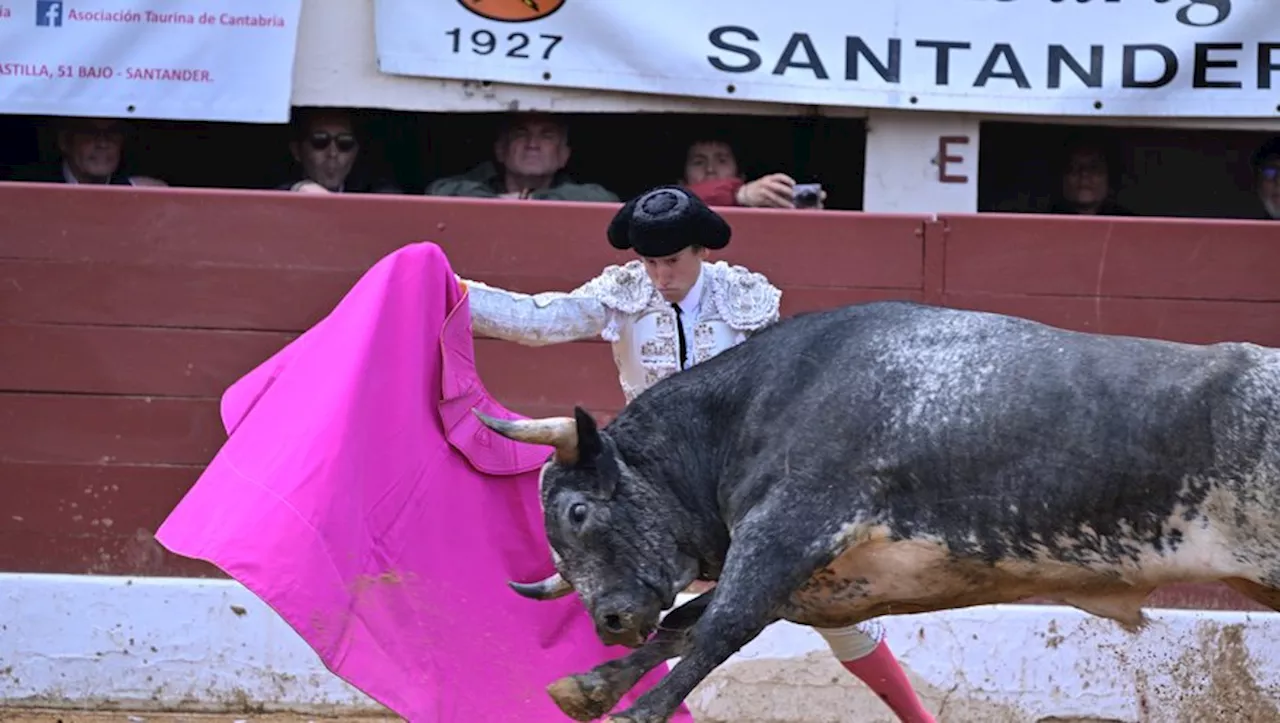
<point>558,432</point>
<point>549,589</point>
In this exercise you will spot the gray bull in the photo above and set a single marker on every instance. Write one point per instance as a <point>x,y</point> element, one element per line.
<point>894,458</point>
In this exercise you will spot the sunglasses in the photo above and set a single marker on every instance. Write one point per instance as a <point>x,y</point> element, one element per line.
<point>321,141</point>
<point>1270,173</point>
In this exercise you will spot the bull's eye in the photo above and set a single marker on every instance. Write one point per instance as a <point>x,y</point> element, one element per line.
<point>578,513</point>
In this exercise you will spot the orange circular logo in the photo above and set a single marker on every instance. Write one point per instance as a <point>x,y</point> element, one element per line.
<point>512,11</point>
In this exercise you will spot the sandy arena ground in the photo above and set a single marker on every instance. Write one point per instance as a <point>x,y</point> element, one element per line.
<point>15,715</point>
<point>40,715</point>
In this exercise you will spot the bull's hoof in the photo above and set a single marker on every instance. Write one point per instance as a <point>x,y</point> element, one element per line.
<point>581,697</point>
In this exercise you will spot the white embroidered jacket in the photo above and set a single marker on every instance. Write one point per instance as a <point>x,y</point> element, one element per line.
<point>622,306</point>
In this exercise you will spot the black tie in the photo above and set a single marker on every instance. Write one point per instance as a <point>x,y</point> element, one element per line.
<point>684,354</point>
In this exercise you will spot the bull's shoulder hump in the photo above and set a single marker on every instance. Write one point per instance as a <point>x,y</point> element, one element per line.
<point>622,287</point>
<point>745,299</point>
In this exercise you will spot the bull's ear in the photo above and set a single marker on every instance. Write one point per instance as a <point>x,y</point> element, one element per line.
<point>596,453</point>
<point>589,445</point>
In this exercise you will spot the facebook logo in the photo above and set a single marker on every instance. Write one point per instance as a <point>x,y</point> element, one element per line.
<point>49,13</point>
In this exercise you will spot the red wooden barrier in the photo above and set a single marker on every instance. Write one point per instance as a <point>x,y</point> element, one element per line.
<point>1195,281</point>
<point>124,313</point>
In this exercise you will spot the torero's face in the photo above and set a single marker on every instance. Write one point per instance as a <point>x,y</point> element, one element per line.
<point>674,275</point>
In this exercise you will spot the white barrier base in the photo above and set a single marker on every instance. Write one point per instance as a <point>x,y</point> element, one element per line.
<point>165,643</point>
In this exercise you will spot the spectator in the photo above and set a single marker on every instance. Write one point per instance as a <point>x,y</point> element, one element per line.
<point>91,151</point>
<point>1088,181</point>
<point>1266,174</point>
<point>712,173</point>
<point>325,145</point>
<point>530,154</point>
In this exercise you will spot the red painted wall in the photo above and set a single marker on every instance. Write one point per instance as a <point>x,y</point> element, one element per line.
<point>124,313</point>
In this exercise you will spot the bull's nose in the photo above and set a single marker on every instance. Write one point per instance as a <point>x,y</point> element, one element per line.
<point>619,627</point>
<point>615,623</point>
<point>625,619</point>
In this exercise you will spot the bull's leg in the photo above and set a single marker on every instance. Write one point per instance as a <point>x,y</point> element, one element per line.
<point>761,571</point>
<point>587,696</point>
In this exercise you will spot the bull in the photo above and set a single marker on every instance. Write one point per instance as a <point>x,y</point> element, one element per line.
<point>897,458</point>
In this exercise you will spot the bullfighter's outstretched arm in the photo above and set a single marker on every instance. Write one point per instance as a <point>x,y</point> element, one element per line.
<point>534,319</point>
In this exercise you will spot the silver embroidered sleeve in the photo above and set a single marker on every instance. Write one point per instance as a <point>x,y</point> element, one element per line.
<point>534,319</point>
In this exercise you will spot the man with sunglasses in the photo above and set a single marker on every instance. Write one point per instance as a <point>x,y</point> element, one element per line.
<point>326,147</point>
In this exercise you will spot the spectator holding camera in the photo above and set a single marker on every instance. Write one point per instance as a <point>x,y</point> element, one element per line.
<point>712,173</point>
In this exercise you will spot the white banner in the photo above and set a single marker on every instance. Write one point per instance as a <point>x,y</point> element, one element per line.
<point>215,60</point>
<point>1059,57</point>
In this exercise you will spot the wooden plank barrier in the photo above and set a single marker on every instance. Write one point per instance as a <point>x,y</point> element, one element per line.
<point>1197,281</point>
<point>125,312</point>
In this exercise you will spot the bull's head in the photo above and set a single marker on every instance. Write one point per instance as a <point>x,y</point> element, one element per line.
<point>610,536</point>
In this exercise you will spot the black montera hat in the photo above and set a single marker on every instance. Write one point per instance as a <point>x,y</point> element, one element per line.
<point>665,220</point>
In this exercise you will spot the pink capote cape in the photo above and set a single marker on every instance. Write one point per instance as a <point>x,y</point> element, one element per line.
<point>359,497</point>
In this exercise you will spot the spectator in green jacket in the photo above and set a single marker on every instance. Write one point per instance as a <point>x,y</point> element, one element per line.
<point>530,154</point>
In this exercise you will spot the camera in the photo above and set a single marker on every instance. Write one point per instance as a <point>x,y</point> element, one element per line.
<point>806,195</point>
